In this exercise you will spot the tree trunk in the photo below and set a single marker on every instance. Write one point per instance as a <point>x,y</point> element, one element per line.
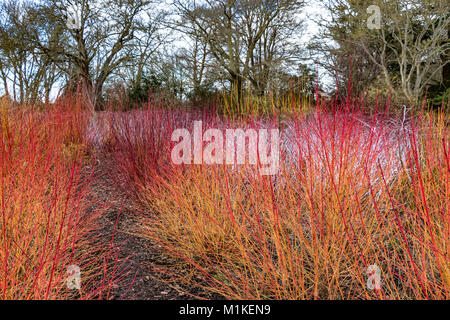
<point>236,89</point>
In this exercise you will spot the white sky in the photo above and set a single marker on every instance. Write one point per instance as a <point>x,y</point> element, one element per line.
<point>312,11</point>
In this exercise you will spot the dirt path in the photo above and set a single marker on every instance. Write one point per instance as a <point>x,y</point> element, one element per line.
<point>141,253</point>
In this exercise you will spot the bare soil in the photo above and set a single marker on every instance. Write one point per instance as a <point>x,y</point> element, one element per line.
<point>141,255</point>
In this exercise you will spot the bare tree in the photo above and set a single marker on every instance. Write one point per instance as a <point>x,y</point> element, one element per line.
<point>91,49</point>
<point>196,60</point>
<point>276,52</point>
<point>406,54</point>
<point>144,49</point>
<point>415,38</point>
<point>21,65</point>
<point>233,29</point>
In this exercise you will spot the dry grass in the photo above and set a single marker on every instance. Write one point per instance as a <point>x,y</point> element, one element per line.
<point>352,192</point>
<point>45,218</point>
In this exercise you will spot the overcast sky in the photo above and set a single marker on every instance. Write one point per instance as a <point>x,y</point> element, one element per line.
<point>314,10</point>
